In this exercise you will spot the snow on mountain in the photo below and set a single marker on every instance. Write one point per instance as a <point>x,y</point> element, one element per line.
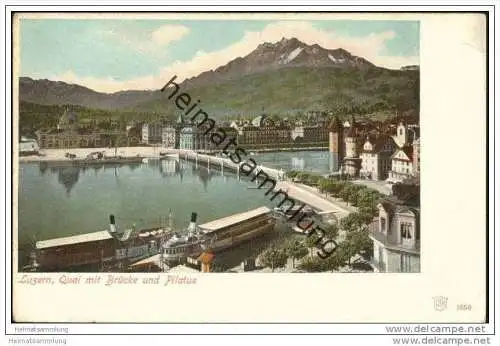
<point>294,54</point>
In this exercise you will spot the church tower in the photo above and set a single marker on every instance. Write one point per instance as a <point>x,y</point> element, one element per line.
<point>401,135</point>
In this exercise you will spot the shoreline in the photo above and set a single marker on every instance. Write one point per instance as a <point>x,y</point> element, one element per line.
<point>57,155</point>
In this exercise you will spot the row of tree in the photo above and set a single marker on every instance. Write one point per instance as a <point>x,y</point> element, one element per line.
<point>362,197</point>
<point>354,226</point>
<point>356,241</point>
<point>276,256</point>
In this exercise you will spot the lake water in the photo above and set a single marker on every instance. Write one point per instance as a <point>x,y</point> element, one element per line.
<point>64,201</point>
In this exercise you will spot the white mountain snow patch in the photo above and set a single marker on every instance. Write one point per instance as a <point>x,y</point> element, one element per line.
<point>332,58</point>
<point>293,54</point>
<point>337,61</point>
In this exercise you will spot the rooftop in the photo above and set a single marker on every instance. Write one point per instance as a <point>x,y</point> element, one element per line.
<point>233,219</point>
<point>81,238</point>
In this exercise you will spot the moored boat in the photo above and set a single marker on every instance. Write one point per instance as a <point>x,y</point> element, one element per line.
<point>107,248</point>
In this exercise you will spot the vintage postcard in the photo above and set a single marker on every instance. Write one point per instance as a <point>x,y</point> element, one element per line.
<point>178,153</point>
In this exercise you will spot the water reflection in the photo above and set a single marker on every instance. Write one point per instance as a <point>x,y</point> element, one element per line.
<point>69,176</point>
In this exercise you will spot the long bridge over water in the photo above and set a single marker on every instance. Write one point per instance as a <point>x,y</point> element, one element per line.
<point>294,191</point>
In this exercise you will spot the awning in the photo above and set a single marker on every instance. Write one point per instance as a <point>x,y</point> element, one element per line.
<point>156,260</point>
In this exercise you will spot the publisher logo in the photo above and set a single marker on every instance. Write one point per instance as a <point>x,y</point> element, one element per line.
<point>440,303</point>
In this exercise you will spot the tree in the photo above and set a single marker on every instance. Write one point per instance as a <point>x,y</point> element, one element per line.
<point>337,260</point>
<point>303,176</point>
<point>314,240</point>
<point>367,213</point>
<point>292,174</point>
<point>296,250</point>
<point>367,197</point>
<point>346,193</point>
<point>313,179</point>
<point>352,222</point>
<point>274,257</point>
<point>324,185</point>
<point>311,241</point>
<point>360,241</point>
<point>345,251</point>
<point>313,264</point>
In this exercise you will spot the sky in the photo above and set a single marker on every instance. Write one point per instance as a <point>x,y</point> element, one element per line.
<point>110,55</point>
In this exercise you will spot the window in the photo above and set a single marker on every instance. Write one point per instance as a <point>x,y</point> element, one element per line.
<point>400,132</point>
<point>405,228</point>
<point>382,224</point>
<point>405,263</point>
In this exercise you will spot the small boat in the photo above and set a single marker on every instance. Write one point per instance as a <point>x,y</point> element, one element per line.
<point>253,187</point>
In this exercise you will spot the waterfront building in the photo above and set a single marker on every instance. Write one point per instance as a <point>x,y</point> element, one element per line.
<point>57,139</point>
<point>248,136</point>
<point>335,143</point>
<point>187,140</point>
<point>316,136</point>
<point>401,164</point>
<point>396,238</point>
<point>268,135</point>
<point>375,157</point>
<point>152,133</point>
<point>230,134</point>
<point>352,162</point>
<point>168,137</point>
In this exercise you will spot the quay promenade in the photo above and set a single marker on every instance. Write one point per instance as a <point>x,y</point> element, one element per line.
<point>295,191</point>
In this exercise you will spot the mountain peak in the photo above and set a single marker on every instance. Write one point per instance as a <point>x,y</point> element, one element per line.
<point>288,52</point>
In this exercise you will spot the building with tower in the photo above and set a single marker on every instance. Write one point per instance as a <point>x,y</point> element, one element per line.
<point>405,162</point>
<point>405,135</point>
<point>69,134</point>
<point>352,161</point>
<point>336,143</point>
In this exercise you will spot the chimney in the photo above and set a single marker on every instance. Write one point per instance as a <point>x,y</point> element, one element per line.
<point>192,224</point>
<point>112,225</point>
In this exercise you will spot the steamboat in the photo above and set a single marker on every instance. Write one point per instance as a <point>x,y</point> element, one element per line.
<point>112,250</point>
<point>218,235</point>
<point>103,250</point>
